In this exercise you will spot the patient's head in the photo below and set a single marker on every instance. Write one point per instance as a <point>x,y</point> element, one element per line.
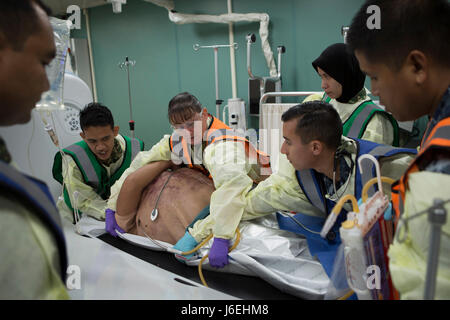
<point>311,131</point>
<point>186,114</point>
<point>98,130</point>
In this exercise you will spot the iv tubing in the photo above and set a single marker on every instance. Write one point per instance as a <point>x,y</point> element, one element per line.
<point>338,207</point>
<point>372,181</point>
<point>185,253</point>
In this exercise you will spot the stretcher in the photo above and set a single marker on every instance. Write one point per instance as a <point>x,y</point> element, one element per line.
<point>107,272</point>
<point>269,263</point>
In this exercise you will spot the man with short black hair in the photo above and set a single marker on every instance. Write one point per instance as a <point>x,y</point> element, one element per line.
<point>408,62</point>
<point>32,245</point>
<point>93,164</point>
<point>322,167</point>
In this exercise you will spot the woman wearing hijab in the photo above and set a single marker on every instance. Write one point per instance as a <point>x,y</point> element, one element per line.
<point>343,82</point>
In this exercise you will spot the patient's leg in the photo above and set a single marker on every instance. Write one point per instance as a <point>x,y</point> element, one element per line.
<point>186,193</point>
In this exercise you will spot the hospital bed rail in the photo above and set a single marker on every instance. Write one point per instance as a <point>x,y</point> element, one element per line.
<point>270,124</point>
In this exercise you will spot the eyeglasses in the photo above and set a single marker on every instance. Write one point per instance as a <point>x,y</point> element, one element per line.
<point>188,124</point>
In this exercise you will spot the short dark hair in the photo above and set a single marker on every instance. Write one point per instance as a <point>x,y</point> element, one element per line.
<point>317,120</point>
<point>19,20</point>
<point>405,25</point>
<point>96,115</point>
<point>182,107</point>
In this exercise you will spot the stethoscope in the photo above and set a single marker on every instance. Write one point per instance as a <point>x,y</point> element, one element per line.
<point>335,196</point>
<point>154,213</point>
<point>331,236</point>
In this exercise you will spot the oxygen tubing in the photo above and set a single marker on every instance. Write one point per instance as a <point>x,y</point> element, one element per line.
<point>199,246</point>
<point>371,182</point>
<point>200,273</point>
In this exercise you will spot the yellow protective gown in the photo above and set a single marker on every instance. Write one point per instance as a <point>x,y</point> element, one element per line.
<point>379,129</point>
<point>408,259</point>
<point>89,202</point>
<point>281,191</point>
<point>233,177</point>
<point>29,257</point>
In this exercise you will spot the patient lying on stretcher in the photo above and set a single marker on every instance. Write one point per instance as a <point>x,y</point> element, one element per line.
<point>178,195</point>
<point>183,193</point>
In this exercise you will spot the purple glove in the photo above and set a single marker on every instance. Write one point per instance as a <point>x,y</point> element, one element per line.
<point>218,254</point>
<point>110,223</point>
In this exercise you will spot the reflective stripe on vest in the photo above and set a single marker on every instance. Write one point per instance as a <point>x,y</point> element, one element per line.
<point>311,187</point>
<point>40,198</point>
<point>183,152</point>
<point>439,138</point>
<point>232,135</point>
<point>91,169</point>
<point>217,131</point>
<point>180,148</point>
<point>355,126</point>
<point>85,164</point>
<point>356,129</point>
<point>368,167</point>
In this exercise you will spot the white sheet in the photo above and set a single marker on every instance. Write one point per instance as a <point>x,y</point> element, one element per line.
<point>279,257</point>
<point>109,273</point>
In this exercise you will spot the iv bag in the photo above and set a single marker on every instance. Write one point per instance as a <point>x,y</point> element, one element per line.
<point>53,99</point>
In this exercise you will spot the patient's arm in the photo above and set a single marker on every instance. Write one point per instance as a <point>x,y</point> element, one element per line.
<point>131,190</point>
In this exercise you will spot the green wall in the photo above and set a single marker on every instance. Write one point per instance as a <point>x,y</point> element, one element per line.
<point>166,63</point>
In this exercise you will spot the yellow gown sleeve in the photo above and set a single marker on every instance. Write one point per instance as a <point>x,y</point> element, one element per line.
<point>408,259</point>
<point>281,191</point>
<point>159,152</point>
<point>227,163</point>
<point>29,256</point>
<point>87,201</point>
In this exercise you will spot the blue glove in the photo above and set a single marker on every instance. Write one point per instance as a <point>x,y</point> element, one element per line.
<point>388,212</point>
<point>186,243</point>
<point>218,254</point>
<point>110,223</point>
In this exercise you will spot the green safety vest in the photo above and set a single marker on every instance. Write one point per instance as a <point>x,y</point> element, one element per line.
<point>356,124</point>
<point>94,174</point>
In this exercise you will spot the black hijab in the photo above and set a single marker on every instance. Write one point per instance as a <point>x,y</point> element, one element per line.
<point>343,67</point>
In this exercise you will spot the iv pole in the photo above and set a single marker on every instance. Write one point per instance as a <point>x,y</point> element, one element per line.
<point>216,69</point>
<point>122,65</point>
